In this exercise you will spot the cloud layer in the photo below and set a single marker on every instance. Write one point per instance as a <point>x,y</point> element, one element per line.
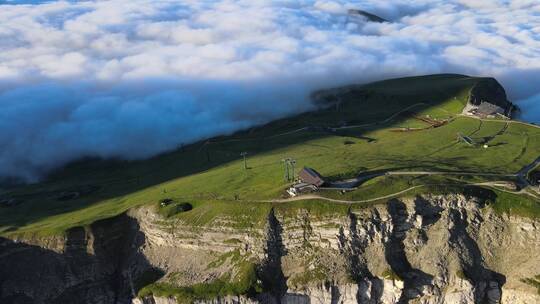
<point>134,78</point>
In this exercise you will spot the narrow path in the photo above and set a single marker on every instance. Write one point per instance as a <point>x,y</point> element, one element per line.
<point>500,120</point>
<point>477,129</point>
<point>390,118</point>
<point>384,121</point>
<point>521,175</point>
<point>318,197</point>
<point>354,182</point>
<point>307,128</point>
<point>493,184</point>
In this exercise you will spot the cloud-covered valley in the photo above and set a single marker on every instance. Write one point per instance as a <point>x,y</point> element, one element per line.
<point>134,78</point>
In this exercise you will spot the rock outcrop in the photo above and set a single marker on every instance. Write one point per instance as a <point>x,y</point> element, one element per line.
<point>489,90</point>
<point>86,265</point>
<point>429,249</point>
<point>369,17</point>
<point>488,97</point>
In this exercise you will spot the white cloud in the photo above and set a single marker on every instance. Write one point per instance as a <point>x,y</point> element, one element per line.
<point>330,6</point>
<point>98,78</point>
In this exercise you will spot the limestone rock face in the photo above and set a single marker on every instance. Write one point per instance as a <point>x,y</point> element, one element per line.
<point>489,90</point>
<point>155,300</point>
<point>430,249</point>
<point>84,266</point>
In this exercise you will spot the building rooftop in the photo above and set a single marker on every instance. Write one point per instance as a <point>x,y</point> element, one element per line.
<point>312,177</point>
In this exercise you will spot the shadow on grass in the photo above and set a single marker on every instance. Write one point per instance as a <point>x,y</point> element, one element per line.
<point>368,104</point>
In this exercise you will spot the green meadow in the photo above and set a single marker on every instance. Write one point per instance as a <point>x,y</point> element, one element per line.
<point>211,177</point>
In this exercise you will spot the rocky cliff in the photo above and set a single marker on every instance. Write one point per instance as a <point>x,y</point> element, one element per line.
<point>429,249</point>
<point>86,265</point>
<point>489,90</point>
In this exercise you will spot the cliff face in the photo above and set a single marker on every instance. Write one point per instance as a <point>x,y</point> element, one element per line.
<point>433,249</point>
<point>89,265</point>
<point>489,90</point>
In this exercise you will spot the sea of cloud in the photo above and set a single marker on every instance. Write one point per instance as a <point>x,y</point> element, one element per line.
<point>131,79</point>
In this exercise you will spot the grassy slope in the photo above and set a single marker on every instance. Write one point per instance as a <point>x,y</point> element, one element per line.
<point>212,186</point>
<point>244,282</point>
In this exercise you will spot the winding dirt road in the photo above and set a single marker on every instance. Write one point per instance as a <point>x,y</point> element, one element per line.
<point>351,184</point>
<point>521,175</point>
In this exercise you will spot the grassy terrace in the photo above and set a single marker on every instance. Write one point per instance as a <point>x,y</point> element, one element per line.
<point>244,282</point>
<point>210,175</point>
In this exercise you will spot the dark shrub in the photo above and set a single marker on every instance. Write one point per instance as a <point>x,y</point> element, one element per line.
<point>168,207</point>
<point>165,202</point>
<point>182,207</point>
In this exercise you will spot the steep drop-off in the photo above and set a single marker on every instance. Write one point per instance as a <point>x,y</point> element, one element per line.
<point>491,91</point>
<point>430,249</point>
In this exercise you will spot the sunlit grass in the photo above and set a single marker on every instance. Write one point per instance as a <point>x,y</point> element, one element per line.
<point>211,176</point>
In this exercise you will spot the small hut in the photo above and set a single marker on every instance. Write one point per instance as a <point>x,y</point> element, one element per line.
<point>311,177</point>
<point>309,181</point>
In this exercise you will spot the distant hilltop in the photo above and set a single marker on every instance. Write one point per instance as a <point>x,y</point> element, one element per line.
<point>363,14</point>
<point>485,96</point>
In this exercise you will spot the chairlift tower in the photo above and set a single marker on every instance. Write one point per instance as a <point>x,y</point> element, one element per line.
<point>206,148</point>
<point>286,168</point>
<point>244,154</point>
<point>293,163</point>
<point>289,164</point>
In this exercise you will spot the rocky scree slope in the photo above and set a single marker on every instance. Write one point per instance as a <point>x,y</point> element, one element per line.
<point>428,249</point>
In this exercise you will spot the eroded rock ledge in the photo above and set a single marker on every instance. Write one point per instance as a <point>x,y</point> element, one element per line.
<point>430,249</point>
